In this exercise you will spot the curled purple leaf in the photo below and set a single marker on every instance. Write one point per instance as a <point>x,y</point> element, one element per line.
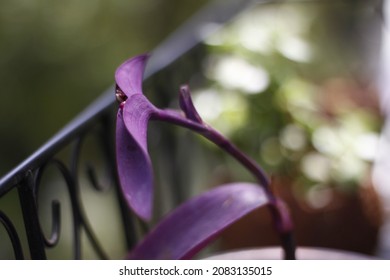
<point>187,106</point>
<point>129,75</point>
<point>133,162</point>
<point>194,224</point>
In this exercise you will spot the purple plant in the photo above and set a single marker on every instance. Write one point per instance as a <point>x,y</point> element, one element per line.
<point>192,225</point>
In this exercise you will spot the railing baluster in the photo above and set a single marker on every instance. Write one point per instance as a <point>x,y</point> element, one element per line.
<point>30,216</point>
<point>26,176</point>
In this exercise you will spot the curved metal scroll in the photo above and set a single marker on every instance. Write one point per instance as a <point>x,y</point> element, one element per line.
<point>29,200</point>
<point>13,235</point>
<point>26,177</point>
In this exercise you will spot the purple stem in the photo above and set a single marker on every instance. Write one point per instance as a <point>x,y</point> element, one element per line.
<point>278,210</point>
<point>214,136</point>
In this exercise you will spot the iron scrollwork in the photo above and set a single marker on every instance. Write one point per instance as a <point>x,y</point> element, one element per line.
<point>13,235</point>
<point>31,185</point>
<point>27,176</point>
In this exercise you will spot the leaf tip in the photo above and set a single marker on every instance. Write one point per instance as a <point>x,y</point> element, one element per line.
<point>187,105</point>
<point>129,75</point>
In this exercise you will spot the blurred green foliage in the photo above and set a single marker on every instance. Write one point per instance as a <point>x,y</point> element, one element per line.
<point>293,84</point>
<point>296,82</point>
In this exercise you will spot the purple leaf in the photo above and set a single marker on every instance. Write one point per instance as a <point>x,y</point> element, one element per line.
<point>187,106</point>
<point>191,226</point>
<point>194,224</point>
<point>129,75</point>
<point>133,161</point>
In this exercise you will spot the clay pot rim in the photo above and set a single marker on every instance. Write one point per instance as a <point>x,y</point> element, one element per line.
<point>302,253</point>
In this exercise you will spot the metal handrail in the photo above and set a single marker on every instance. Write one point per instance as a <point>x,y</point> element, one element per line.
<point>26,176</point>
<point>185,38</point>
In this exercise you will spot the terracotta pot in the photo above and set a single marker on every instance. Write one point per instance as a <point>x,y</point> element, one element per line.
<point>350,221</point>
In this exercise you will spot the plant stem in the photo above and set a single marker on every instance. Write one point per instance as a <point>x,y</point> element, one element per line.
<point>279,213</point>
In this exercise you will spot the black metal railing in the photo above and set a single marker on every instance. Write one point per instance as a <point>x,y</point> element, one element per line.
<point>96,120</point>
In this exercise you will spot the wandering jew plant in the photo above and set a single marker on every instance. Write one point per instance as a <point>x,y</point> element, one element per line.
<point>194,224</point>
